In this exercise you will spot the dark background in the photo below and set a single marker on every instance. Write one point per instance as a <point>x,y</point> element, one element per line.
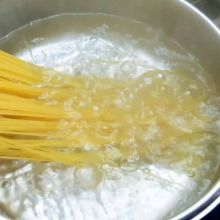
<point>212,9</point>
<point>214,215</point>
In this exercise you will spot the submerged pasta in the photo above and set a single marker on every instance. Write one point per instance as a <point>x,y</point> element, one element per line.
<point>46,116</point>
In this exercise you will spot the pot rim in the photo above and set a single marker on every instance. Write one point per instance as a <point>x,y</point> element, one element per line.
<point>211,199</point>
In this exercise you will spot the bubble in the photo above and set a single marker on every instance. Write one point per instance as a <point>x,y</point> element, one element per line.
<point>6,184</point>
<point>87,178</point>
<point>129,166</point>
<point>191,173</point>
<point>112,152</point>
<point>128,67</point>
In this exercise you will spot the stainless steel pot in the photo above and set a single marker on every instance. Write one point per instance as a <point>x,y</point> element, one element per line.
<point>176,18</point>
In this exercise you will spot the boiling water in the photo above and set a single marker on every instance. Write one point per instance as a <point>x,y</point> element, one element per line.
<point>172,98</point>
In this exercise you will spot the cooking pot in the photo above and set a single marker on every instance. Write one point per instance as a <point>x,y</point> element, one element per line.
<point>177,18</point>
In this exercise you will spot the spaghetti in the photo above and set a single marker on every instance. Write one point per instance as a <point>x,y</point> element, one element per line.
<point>47,116</point>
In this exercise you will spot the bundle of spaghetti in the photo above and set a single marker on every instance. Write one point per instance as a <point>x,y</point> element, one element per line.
<point>38,120</point>
<point>31,109</point>
<point>47,116</point>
